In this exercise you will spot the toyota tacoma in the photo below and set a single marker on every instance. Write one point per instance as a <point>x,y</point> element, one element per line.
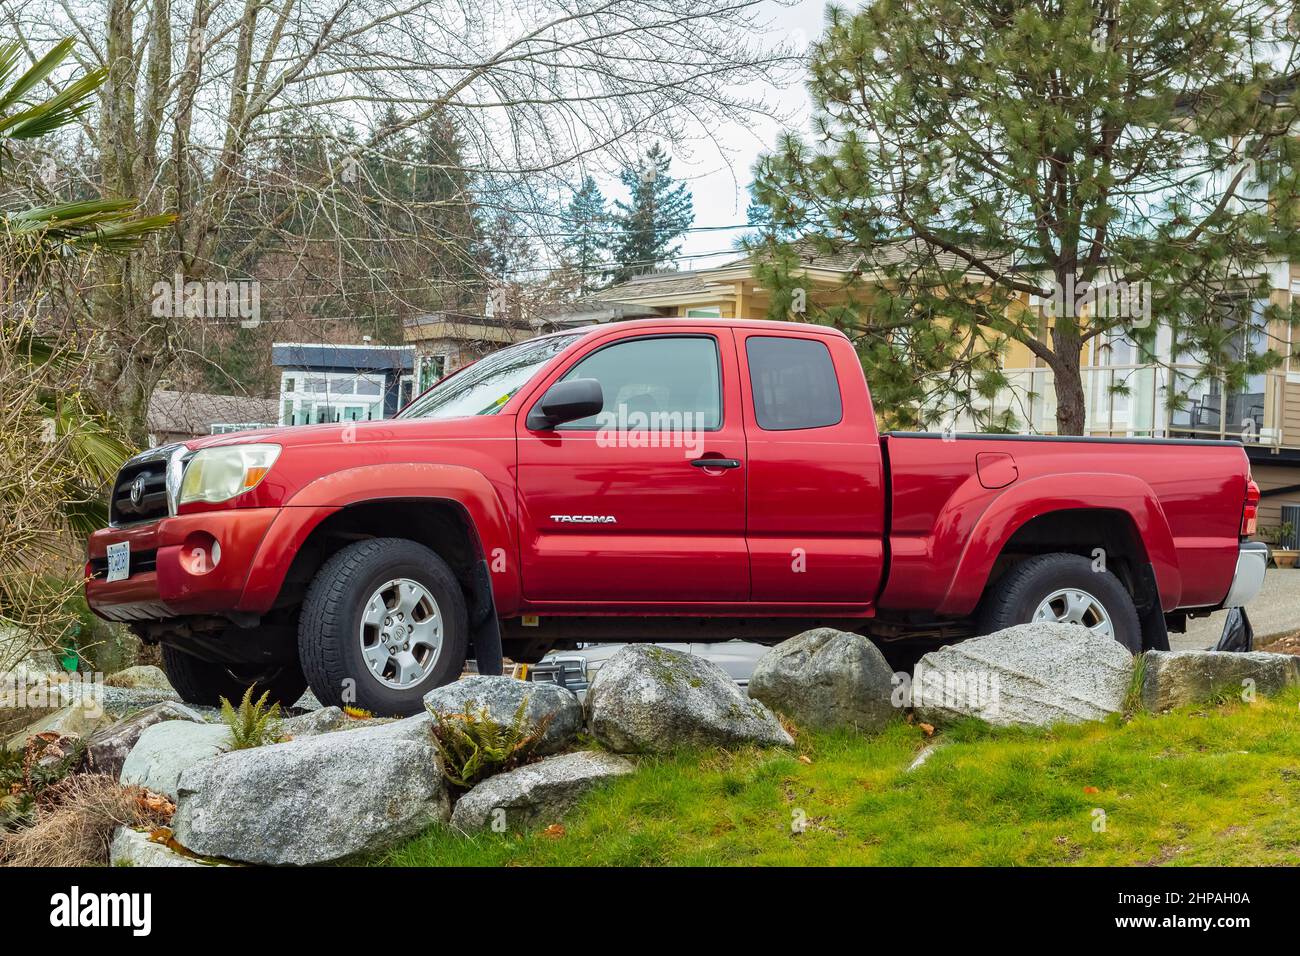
<point>655,480</point>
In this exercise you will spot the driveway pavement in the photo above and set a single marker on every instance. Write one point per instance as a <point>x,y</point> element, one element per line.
<point>1275,611</point>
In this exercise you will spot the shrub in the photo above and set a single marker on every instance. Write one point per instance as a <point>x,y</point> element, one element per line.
<point>474,746</point>
<point>26,774</point>
<point>74,822</point>
<point>253,723</point>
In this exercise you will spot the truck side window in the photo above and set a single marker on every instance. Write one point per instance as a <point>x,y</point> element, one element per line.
<point>657,383</point>
<point>794,383</point>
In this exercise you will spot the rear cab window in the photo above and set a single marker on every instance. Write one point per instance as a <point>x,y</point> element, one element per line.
<point>793,383</point>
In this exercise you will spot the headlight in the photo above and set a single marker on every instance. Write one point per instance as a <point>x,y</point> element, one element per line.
<point>218,474</point>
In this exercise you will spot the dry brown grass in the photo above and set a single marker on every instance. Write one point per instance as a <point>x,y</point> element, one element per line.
<point>75,820</point>
<point>1285,644</point>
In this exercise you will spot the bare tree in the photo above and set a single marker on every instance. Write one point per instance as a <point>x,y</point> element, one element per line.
<point>202,95</point>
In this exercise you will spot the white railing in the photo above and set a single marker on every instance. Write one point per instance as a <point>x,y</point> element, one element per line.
<point>1130,400</point>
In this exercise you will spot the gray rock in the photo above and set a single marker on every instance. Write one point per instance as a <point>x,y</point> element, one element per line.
<point>1178,678</point>
<point>142,677</point>
<point>538,794</point>
<point>314,722</point>
<point>19,648</point>
<point>502,697</point>
<point>314,800</point>
<point>78,719</point>
<point>134,848</point>
<point>121,702</point>
<point>826,678</point>
<point>107,748</point>
<point>27,696</point>
<point>1031,674</point>
<point>648,699</point>
<point>166,750</point>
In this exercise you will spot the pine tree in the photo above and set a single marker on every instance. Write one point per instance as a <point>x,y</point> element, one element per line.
<point>586,247</point>
<point>647,227</point>
<point>444,190</point>
<point>974,154</point>
<point>508,251</point>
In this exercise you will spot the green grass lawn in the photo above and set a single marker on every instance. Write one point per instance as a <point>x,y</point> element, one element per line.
<point>1213,785</point>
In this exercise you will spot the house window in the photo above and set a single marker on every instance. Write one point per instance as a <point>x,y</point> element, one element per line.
<point>710,312</point>
<point>327,397</point>
<point>1207,407</point>
<point>225,428</point>
<point>432,369</point>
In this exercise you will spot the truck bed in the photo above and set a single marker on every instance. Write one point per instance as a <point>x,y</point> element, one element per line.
<point>956,501</point>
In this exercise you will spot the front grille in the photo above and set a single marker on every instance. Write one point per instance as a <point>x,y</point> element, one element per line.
<point>150,469</point>
<point>141,561</point>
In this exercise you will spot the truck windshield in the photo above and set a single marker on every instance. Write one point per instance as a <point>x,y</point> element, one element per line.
<point>484,387</point>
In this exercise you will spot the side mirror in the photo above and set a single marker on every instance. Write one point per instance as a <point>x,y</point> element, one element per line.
<point>566,402</point>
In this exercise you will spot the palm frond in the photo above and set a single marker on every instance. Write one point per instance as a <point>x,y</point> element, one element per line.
<point>9,56</point>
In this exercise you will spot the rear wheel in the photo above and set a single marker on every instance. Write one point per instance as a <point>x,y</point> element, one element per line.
<point>204,682</point>
<point>1063,588</point>
<point>383,623</point>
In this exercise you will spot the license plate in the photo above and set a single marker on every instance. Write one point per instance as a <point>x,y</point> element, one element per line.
<point>119,561</point>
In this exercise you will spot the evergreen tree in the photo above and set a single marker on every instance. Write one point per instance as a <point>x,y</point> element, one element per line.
<point>647,227</point>
<point>509,253</point>
<point>444,190</point>
<point>981,155</point>
<point>586,247</point>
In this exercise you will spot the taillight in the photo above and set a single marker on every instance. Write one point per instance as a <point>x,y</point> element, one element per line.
<point>1250,513</point>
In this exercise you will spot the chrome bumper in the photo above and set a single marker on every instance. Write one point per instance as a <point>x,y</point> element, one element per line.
<point>1252,560</point>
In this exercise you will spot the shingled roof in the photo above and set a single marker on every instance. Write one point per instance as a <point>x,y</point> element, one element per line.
<point>194,413</point>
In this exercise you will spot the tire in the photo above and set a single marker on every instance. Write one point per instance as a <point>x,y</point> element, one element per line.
<point>338,618</point>
<point>203,682</point>
<point>1017,596</point>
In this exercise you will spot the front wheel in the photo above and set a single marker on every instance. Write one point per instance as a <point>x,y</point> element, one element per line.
<point>1063,588</point>
<point>383,623</point>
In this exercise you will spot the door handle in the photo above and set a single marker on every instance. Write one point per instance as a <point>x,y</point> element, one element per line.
<point>716,463</point>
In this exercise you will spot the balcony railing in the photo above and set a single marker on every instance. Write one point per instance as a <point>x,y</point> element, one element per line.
<point>1130,400</point>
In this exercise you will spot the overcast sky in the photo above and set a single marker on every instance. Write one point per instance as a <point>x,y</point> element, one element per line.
<point>719,183</point>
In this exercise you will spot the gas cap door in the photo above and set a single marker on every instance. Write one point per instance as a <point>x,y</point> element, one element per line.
<point>996,469</point>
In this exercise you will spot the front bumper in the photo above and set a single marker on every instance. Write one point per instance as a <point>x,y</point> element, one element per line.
<point>1252,562</point>
<point>172,568</point>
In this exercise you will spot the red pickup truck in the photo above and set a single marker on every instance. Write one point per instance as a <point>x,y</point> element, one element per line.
<point>672,479</point>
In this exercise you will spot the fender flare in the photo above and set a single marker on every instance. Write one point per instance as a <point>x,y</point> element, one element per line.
<point>467,488</point>
<point>1010,511</point>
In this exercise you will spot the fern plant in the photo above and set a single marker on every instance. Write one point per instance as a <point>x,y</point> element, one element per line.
<point>473,745</point>
<point>253,723</point>
<point>16,800</point>
<point>26,773</point>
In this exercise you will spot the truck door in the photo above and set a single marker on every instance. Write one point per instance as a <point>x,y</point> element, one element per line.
<point>644,503</point>
<point>816,482</point>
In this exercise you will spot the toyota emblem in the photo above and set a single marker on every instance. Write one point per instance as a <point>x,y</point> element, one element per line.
<point>137,489</point>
